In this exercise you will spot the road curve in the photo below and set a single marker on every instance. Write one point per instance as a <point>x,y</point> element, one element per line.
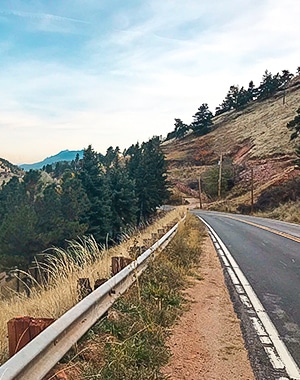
<point>268,253</point>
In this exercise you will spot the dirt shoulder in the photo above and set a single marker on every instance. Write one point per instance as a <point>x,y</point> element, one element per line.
<point>207,341</point>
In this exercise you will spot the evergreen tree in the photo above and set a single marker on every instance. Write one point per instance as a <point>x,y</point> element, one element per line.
<point>94,182</point>
<point>243,98</point>
<point>269,85</point>
<point>18,236</point>
<point>237,98</point>
<point>180,129</point>
<point>111,157</point>
<point>202,121</point>
<point>285,78</point>
<point>211,179</point>
<point>12,195</point>
<point>74,205</point>
<point>123,199</point>
<point>50,218</point>
<point>147,167</point>
<point>252,91</point>
<point>31,182</point>
<point>19,240</point>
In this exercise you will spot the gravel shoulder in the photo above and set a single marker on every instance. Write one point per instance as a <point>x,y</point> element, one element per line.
<point>207,342</point>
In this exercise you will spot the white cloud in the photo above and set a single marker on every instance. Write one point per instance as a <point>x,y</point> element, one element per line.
<point>152,64</point>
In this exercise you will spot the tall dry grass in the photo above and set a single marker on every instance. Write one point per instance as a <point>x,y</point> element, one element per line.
<point>288,212</point>
<point>130,343</point>
<point>82,259</point>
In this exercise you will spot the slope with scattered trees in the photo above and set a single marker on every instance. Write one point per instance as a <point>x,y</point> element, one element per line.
<point>254,136</point>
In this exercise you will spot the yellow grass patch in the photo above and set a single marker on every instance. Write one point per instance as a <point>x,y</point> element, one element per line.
<point>92,262</point>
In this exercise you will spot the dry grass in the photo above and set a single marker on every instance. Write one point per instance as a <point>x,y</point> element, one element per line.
<point>83,259</point>
<point>256,136</point>
<point>264,123</point>
<point>130,342</point>
<point>261,123</point>
<point>289,212</point>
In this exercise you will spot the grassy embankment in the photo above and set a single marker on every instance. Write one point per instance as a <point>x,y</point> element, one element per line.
<point>83,259</point>
<point>130,342</point>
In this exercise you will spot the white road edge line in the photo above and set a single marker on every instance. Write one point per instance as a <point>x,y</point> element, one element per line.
<point>290,365</point>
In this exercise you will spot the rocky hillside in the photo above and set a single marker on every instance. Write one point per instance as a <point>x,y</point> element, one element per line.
<point>8,170</point>
<point>256,137</point>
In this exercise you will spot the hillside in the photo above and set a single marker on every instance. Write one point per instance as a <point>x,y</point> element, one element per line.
<point>8,170</point>
<point>254,137</point>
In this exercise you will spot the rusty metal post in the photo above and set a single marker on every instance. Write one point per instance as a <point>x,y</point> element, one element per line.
<point>22,330</point>
<point>84,287</point>
<point>118,263</point>
<point>99,282</point>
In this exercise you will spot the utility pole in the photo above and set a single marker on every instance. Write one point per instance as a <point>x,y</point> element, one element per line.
<point>220,176</point>
<point>200,192</point>
<point>252,190</point>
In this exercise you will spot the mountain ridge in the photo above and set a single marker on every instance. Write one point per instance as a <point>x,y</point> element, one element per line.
<point>64,155</point>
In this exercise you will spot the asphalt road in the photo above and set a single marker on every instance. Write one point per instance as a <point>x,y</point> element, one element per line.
<point>268,253</point>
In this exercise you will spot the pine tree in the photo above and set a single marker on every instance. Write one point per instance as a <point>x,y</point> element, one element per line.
<point>111,157</point>
<point>123,199</point>
<point>50,218</point>
<point>19,240</point>
<point>94,182</point>
<point>31,182</point>
<point>147,167</point>
<point>202,121</point>
<point>180,129</point>
<point>269,85</point>
<point>18,236</point>
<point>74,205</point>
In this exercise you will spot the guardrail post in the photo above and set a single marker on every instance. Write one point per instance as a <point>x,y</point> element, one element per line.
<point>37,358</point>
<point>118,263</point>
<point>99,282</point>
<point>84,287</point>
<point>22,330</point>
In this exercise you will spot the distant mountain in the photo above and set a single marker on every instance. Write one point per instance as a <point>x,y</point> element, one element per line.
<point>64,155</point>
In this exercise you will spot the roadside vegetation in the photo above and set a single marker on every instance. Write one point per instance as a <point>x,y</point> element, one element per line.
<point>103,196</point>
<point>81,259</point>
<point>130,342</point>
<point>288,212</point>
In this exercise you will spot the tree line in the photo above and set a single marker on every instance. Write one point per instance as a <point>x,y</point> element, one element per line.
<point>99,195</point>
<point>236,98</point>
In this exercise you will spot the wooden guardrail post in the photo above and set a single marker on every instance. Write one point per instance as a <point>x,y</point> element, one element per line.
<point>118,263</point>
<point>99,282</point>
<point>84,287</point>
<point>22,330</point>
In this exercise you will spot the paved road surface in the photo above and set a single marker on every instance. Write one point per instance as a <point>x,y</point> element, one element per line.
<point>268,253</point>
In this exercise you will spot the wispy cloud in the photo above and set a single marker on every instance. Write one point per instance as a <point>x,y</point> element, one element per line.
<point>137,67</point>
<point>40,16</point>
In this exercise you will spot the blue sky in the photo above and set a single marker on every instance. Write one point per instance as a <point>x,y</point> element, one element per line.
<point>113,72</point>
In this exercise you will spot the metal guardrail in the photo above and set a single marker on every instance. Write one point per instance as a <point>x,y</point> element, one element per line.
<point>40,355</point>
